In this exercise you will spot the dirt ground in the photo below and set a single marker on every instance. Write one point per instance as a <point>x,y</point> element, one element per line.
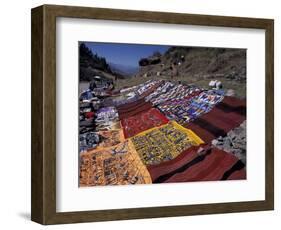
<point>83,85</point>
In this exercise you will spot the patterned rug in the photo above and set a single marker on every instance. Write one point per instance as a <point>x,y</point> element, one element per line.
<point>164,143</point>
<point>118,165</point>
<point>142,121</point>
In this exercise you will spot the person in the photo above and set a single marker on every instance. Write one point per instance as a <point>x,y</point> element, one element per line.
<point>182,58</point>
<point>174,70</point>
<point>92,85</point>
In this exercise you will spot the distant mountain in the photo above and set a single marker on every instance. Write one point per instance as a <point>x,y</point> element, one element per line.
<point>91,64</point>
<point>124,70</point>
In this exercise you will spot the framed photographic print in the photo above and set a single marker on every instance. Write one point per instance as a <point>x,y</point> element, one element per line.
<point>140,114</point>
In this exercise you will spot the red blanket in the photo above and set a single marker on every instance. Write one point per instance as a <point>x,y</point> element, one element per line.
<point>133,108</point>
<point>142,121</point>
<point>225,116</point>
<point>210,165</point>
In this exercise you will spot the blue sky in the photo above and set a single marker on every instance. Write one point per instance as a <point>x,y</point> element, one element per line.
<point>124,54</point>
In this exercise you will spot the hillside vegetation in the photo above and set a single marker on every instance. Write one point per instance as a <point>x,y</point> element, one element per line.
<point>90,65</point>
<point>199,62</point>
<point>195,65</point>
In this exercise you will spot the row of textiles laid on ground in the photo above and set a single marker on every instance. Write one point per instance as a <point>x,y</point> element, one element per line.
<point>162,134</point>
<point>189,108</point>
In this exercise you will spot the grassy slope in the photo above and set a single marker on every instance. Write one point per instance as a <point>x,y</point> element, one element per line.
<point>200,66</point>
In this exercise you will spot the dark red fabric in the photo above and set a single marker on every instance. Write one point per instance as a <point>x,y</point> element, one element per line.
<point>133,108</point>
<point>142,121</point>
<point>168,166</point>
<point>212,168</point>
<point>238,175</point>
<point>225,116</point>
<point>130,104</point>
<point>191,166</point>
<point>89,114</point>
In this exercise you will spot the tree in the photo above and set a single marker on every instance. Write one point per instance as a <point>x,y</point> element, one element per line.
<point>89,59</point>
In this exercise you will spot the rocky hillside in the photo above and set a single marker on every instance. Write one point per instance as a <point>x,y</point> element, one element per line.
<point>196,62</point>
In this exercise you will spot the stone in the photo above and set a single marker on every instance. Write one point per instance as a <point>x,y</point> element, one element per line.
<point>234,142</point>
<point>230,93</point>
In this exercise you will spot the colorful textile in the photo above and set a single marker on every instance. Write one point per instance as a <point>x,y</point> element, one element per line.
<point>86,95</point>
<point>101,139</point>
<point>176,92</point>
<point>225,116</point>
<point>118,165</point>
<point>89,115</point>
<point>130,105</point>
<point>110,138</point>
<point>134,108</point>
<point>185,110</point>
<point>106,114</point>
<point>88,141</point>
<point>190,108</point>
<point>199,163</point>
<point>142,121</point>
<point>164,88</point>
<point>160,132</point>
<point>164,143</point>
<point>211,96</point>
<point>148,87</point>
<point>176,109</point>
<point>107,119</point>
<point>128,89</point>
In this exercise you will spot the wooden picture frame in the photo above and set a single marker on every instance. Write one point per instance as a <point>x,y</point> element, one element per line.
<point>43,208</point>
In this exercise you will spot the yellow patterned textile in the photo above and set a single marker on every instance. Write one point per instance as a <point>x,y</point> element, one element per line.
<point>117,165</point>
<point>164,143</point>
